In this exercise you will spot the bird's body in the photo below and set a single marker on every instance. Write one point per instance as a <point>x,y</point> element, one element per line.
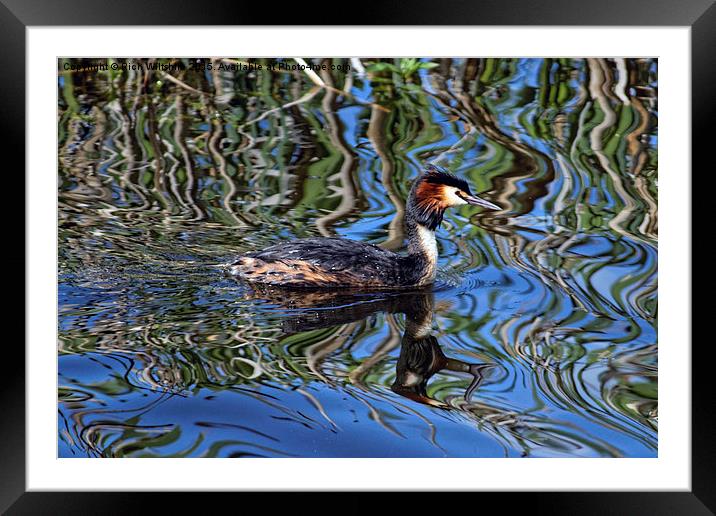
<point>326,262</point>
<point>341,263</point>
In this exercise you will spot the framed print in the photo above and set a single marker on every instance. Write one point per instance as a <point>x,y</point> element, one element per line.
<point>425,255</point>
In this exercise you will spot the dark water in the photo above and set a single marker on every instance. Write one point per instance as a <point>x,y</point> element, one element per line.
<point>539,340</point>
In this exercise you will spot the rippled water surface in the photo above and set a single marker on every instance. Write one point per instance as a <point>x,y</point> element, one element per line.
<point>538,341</point>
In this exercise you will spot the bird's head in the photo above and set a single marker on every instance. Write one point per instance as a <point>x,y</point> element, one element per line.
<point>435,191</point>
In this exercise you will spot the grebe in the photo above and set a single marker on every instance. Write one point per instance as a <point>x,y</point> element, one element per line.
<point>341,263</point>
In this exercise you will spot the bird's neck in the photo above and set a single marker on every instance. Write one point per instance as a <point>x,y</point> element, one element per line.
<point>421,240</point>
<point>421,220</point>
<point>422,251</point>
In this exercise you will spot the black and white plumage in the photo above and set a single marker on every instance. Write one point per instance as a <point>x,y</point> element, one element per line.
<point>340,263</point>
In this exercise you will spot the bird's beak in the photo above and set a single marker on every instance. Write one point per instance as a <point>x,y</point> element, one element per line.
<point>476,201</point>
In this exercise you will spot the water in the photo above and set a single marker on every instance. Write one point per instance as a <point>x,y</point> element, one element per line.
<point>539,339</point>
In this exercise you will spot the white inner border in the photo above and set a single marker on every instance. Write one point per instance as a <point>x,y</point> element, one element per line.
<point>671,470</point>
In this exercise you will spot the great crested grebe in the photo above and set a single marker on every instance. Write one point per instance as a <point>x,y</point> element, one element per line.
<point>339,262</point>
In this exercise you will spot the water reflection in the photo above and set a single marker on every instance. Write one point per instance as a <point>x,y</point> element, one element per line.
<point>420,357</point>
<point>161,182</point>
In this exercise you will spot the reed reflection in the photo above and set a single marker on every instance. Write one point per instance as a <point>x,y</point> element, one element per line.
<point>162,176</point>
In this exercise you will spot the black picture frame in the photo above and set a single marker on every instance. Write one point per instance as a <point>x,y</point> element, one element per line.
<point>17,15</point>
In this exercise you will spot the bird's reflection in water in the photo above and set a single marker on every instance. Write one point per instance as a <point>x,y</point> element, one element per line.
<point>421,356</point>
